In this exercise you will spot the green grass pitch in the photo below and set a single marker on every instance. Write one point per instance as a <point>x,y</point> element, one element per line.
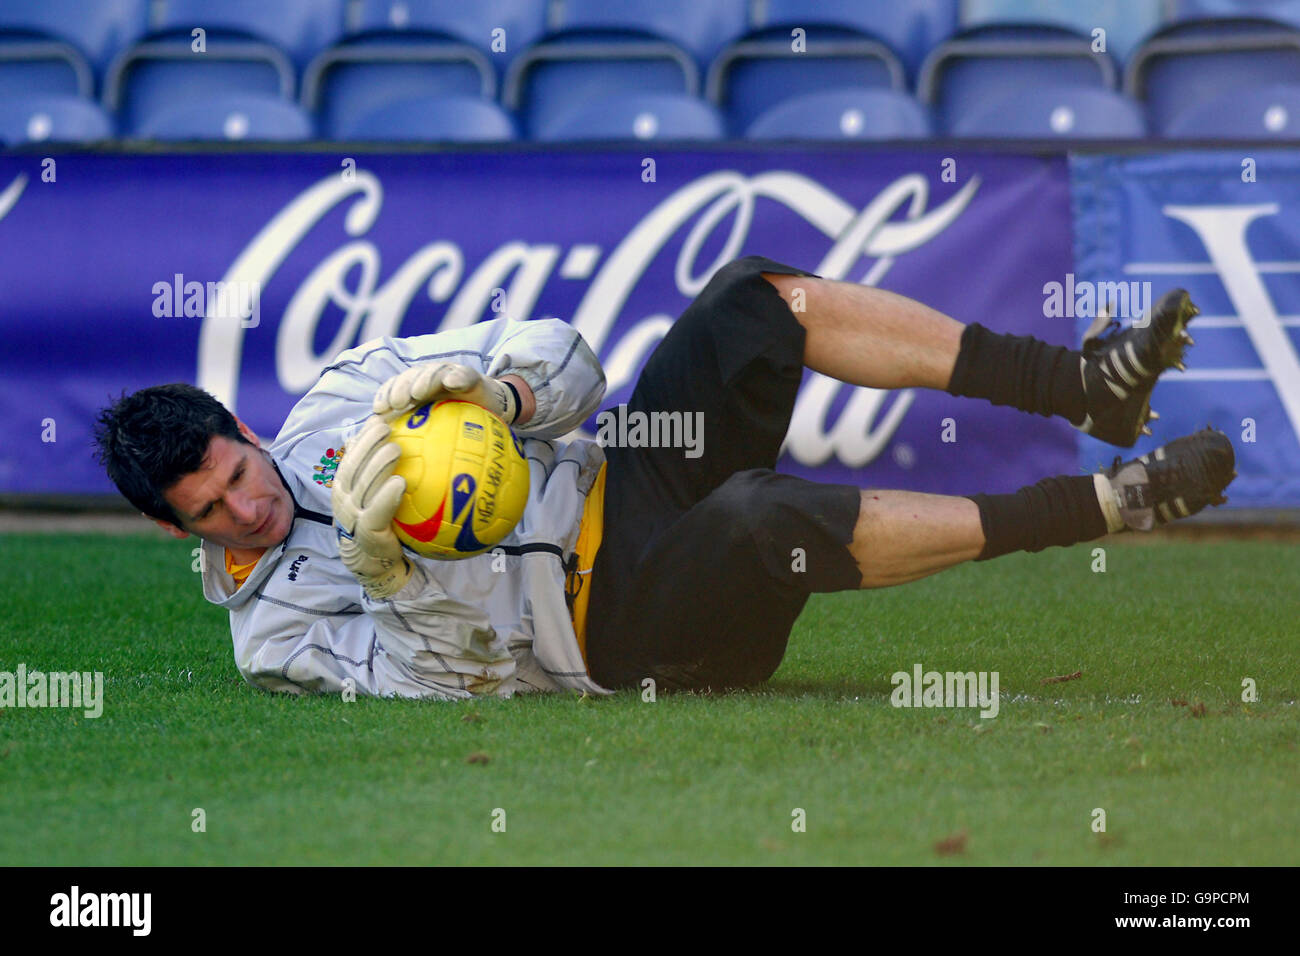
<point>686,779</point>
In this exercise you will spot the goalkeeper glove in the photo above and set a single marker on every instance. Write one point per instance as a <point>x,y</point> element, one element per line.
<point>365,497</point>
<point>437,381</point>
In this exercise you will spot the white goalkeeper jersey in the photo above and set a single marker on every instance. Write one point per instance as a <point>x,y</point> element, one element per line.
<point>495,624</point>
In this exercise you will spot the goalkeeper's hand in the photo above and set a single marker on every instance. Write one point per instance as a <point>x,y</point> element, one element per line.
<point>443,380</point>
<point>365,498</point>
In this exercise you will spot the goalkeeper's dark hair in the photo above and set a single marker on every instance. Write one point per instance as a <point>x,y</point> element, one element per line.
<point>149,440</point>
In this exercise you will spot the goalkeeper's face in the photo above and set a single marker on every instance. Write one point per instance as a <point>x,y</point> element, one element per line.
<point>235,499</point>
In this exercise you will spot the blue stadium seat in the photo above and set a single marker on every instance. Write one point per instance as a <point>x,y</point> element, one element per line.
<point>596,48</point>
<point>50,118</point>
<point>56,46</point>
<point>700,28</point>
<point>1265,112</point>
<point>249,46</point>
<point>552,78</point>
<point>1192,62</point>
<point>432,119</point>
<point>1284,11</point>
<point>522,22</point>
<point>32,67</point>
<point>98,30</point>
<point>1063,112</point>
<point>844,114</point>
<point>636,116</point>
<point>751,76</point>
<point>987,63</point>
<point>153,77</point>
<point>299,28</point>
<point>1126,22</point>
<point>910,29</point>
<point>369,73</point>
<point>225,116</point>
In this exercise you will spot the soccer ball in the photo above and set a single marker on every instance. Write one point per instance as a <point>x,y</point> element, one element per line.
<point>466,479</point>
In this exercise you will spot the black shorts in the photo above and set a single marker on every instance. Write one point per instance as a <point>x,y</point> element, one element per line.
<point>706,562</point>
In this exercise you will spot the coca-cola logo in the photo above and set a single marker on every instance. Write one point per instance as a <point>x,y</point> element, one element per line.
<point>725,199</point>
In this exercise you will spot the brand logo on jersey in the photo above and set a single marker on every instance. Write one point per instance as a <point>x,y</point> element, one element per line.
<point>298,562</point>
<point>329,463</point>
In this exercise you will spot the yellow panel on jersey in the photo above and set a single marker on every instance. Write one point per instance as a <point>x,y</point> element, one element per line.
<point>239,572</point>
<point>589,535</point>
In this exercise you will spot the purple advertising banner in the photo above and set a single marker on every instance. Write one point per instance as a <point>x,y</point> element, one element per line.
<point>1225,226</point>
<point>107,261</point>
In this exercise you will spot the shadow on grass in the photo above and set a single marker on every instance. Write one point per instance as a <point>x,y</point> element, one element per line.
<point>830,690</point>
<point>782,687</point>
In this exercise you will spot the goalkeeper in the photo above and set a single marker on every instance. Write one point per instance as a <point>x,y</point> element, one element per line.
<point>635,563</point>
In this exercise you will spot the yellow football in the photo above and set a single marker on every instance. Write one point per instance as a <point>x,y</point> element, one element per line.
<point>466,479</point>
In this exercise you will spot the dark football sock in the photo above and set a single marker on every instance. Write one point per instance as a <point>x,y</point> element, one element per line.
<point>1020,371</point>
<point>1056,511</point>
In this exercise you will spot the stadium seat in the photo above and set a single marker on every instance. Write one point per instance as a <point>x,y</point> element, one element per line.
<point>249,46</point>
<point>910,29</point>
<point>1126,22</point>
<point>751,76</point>
<point>1067,112</point>
<point>33,67</point>
<point>98,30</point>
<point>987,63</point>
<point>50,118</point>
<point>844,114</point>
<point>1284,11</point>
<point>552,78</point>
<point>700,28</point>
<point>432,119</point>
<point>596,48</point>
<point>368,74</point>
<point>522,22</point>
<point>226,116</point>
<point>56,46</point>
<point>153,77</point>
<point>1266,112</point>
<point>299,28</point>
<point>1193,62</point>
<point>639,116</point>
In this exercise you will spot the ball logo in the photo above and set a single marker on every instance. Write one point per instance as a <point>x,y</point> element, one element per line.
<point>462,497</point>
<point>462,493</point>
<point>424,530</point>
<point>418,417</point>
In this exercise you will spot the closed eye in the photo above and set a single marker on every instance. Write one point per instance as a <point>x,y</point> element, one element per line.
<point>234,479</point>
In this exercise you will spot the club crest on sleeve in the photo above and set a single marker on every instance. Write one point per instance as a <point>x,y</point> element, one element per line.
<point>329,464</point>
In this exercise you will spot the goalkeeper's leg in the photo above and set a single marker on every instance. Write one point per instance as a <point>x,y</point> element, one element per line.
<point>709,600</point>
<point>868,336</point>
<point>901,536</point>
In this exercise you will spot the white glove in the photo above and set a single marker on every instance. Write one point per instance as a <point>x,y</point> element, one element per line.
<point>437,381</point>
<point>365,498</point>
